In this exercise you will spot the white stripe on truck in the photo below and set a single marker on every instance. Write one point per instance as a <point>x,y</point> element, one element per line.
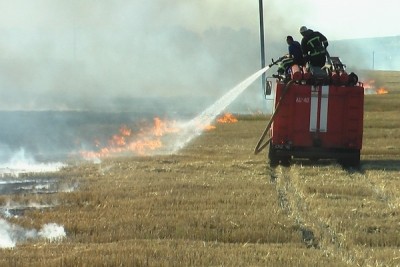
<point>314,109</point>
<point>323,118</point>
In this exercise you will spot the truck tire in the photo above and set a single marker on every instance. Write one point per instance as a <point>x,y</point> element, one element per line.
<point>273,159</point>
<point>355,159</point>
<point>352,161</point>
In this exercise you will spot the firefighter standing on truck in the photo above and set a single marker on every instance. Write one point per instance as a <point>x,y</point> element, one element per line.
<point>295,55</point>
<point>295,51</point>
<point>314,46</point>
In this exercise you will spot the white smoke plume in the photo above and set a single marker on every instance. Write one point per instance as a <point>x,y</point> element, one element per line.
<point>11,234</point>
<point>52,232</point>
<point>21,162</point>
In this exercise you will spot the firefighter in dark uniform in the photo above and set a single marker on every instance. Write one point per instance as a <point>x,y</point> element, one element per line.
<point>295,51</point>
<point>295,55</point>
<point>314,46</point>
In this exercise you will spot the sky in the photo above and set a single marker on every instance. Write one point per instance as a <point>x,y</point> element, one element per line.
<point>343,19</point>
<point>91,54</point>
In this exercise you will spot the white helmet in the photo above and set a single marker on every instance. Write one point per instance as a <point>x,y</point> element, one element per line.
<point>303,29</point>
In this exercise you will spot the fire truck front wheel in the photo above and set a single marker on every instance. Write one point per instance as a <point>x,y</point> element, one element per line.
<point>275,160</point>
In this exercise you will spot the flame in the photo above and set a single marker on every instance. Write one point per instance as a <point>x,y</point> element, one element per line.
<point>125,131</point>
<point>209,127</point>
<point>161,127</point>
<point>369,84</point>
<point>145,140</point>
<point>381,91</point>
<point>370,88</point>
<point>141,143</point>
<point>227,118</point>
<point>117,140</point>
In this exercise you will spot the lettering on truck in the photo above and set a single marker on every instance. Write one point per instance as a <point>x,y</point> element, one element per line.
<point>304,99</point>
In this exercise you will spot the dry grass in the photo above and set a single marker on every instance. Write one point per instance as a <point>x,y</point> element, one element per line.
<point>217,204</point>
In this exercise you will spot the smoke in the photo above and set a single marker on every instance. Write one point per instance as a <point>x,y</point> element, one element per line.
<point>20,162</point>
<point>52,232</point>
<point>85,55</point>
<point>11,234</point>
<point>6,240</point>
<point>165,58</point>
<point>89,55</point>
<point>372,53</point>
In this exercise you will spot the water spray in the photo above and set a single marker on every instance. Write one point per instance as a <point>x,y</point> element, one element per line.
<point>195,126</point>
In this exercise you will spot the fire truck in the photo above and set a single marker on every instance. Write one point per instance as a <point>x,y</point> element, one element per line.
<point>317,114</point>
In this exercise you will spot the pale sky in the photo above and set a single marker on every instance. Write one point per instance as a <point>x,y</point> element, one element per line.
<point>344,19</point>
<point>340,19</point>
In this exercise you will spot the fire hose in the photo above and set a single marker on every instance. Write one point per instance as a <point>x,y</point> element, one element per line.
<point>260,145</point>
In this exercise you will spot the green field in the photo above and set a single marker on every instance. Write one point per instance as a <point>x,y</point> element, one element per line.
<point>215,203</point>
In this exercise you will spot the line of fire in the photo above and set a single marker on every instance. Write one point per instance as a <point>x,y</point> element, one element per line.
<point>145,141</point>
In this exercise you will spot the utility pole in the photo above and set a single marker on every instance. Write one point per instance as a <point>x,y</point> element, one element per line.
<point>373,60</point>
<point>262,43</point>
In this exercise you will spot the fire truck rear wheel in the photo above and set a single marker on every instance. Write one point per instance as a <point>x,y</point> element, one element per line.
<point>285,161</point>
<point>273,159</point>
<point>353,161</point>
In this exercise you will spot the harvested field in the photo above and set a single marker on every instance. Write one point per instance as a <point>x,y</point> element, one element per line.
<point>215,203</point>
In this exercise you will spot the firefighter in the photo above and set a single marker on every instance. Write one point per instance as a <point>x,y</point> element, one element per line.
<point>295,56</point>
<point>314,46</point>
<point>295,51</point>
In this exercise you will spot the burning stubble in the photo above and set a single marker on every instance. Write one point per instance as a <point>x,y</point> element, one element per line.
<point>145,140</point>
<point>166,137</point>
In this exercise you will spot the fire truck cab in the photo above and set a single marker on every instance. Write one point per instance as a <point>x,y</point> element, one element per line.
<point>318,114</point>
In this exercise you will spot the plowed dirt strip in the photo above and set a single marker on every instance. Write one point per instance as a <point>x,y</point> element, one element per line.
<point>292,203</point>
<point>347,214</point>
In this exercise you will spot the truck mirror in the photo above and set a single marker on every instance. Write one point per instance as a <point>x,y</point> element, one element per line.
<point>268,88</point>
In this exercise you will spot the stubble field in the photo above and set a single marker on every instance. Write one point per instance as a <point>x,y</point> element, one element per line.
<point>215,203</point>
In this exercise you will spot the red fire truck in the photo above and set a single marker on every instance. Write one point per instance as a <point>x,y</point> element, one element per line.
<point>318,114</point>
